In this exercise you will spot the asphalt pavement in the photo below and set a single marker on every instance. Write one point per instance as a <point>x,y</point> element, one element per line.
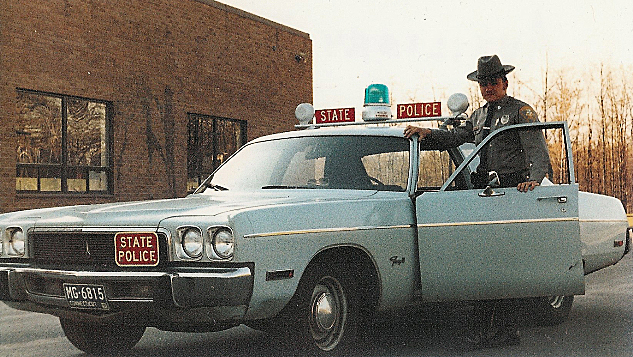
<point>600,324</point>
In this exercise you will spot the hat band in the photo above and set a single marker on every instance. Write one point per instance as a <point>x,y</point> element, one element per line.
<point>492,75</point>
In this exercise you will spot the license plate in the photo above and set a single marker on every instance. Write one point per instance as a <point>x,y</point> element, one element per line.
<point>136,249</point>
<point>86,296</point>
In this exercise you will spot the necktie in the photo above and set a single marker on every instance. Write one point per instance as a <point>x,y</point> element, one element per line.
<point>483,154</point>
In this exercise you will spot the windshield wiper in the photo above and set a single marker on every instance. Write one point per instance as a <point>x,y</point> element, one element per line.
<point>216,187</point>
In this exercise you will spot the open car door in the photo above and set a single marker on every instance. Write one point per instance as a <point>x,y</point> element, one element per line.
<point>502,243</point>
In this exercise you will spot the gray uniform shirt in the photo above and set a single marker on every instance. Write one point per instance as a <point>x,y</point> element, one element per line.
<point>512,152</point>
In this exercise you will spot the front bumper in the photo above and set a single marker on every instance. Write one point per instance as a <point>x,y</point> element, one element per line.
<point>218,293</point>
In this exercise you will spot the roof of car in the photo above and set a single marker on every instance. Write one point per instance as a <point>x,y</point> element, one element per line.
<point>362,130</point>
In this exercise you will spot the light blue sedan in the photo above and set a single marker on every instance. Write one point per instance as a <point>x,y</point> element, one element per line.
<point>309,233</point>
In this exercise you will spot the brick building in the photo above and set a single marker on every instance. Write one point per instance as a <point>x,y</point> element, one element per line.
<point>117,100</point>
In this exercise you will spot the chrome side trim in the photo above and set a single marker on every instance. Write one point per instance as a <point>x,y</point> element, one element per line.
<point>485,223</point>
<point>605,220</point>
<point>325,230</point>
<point>404,226</point>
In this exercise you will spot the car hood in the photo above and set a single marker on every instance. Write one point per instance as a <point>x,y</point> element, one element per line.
<point>151,213</point>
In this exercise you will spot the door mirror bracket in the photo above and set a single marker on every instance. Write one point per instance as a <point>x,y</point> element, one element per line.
<point>493,182</point>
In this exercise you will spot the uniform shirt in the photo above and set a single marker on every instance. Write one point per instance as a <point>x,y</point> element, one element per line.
<point>511,152</point>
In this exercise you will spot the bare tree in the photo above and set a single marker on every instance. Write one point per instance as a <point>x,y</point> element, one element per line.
<point>599,111</point>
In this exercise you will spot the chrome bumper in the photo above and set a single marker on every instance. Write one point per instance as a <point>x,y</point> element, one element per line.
<point>41,290</point>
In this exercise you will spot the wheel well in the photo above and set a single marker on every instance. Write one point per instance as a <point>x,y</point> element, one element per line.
<point>354,261</point>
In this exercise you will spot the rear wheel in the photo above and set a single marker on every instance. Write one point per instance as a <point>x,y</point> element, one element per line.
<point>101,339</point>
<point>550,310</point>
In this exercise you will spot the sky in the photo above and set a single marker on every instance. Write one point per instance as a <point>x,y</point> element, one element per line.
<point>423,50</point>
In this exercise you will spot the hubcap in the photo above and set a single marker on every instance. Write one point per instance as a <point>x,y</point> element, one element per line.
<point>325,316</point>
<point>328,313</point>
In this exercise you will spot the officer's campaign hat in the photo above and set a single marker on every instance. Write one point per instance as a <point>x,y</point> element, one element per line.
<point>489,67</point>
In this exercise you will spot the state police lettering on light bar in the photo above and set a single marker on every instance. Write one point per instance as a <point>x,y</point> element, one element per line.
<point>340,115</point>
<point>419,110</point>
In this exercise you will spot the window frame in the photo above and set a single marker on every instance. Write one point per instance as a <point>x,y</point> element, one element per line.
<point>64,166</point>
<point>199,173</point>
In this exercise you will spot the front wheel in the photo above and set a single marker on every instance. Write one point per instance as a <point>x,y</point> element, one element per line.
<point>101,339</point>
<point>329,312</point>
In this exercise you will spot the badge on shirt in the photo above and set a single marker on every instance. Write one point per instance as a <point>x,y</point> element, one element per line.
<point>505,119</point>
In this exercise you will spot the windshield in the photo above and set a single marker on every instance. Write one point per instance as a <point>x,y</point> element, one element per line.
<point>332,162</point>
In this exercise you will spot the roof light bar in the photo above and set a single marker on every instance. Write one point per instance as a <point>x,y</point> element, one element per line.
<point>377,104</point>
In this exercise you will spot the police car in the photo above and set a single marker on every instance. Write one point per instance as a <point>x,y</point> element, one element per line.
<point>308,234</point>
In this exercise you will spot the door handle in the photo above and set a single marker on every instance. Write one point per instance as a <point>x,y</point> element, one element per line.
<point>489,192</point>
<point>559,199</point>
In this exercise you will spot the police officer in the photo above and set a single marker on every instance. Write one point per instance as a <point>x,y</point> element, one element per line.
<point>520,158</point>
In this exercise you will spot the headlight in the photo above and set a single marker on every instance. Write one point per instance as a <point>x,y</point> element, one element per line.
<point>16,242</point>
<point>223,243</point>
<point>191,241</point>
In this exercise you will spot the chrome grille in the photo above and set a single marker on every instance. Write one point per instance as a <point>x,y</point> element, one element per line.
<point>65,249</point>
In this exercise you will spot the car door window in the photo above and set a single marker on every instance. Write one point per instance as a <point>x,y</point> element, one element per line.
<point>557,146</point>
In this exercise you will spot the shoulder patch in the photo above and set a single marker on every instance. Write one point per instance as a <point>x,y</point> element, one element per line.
<point>527,114</point>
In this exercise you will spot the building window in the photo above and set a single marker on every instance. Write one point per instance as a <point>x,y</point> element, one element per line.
<point>63,144</point>
<point>211,141</point>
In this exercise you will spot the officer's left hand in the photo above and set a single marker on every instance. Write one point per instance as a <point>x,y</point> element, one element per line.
<point>529,185</point>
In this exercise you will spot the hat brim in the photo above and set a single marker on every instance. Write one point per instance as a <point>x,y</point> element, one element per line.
<point>474,76</point>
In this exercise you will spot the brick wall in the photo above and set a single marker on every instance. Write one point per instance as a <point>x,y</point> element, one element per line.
<point>156,61</point>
